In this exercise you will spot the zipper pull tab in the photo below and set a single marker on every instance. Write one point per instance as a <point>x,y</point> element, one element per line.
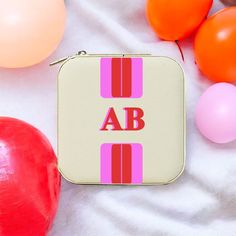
<point>59,61</point>
<point>83,52</point>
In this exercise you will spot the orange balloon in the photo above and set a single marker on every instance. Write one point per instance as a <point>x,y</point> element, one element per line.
<point>29,30</point>
<point>176,19</point>
<point>215,46</point>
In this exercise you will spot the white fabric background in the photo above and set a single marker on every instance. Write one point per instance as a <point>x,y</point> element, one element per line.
<point>202,202</point>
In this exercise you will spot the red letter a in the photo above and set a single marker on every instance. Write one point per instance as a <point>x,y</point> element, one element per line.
<point>111,119</point>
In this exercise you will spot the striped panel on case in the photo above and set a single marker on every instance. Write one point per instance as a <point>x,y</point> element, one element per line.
<point>121,163</point>
<point>121,77</point>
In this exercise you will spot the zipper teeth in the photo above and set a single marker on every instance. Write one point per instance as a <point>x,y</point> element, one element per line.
<point>114,54</point>
<point>93,54</point>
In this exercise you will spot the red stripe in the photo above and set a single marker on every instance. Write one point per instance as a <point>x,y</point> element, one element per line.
<point>126,163</point>
<point>126,77</point>
<point>116,77</point>
<point>116,163</point>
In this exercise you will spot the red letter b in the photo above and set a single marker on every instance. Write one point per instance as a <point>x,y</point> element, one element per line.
<point>134,119</point>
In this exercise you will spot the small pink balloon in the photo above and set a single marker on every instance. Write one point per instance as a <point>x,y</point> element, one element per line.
<point>29,31</point>
<point>216,113</point>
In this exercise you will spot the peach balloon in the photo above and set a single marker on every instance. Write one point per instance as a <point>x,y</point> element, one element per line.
<point>30,30</point>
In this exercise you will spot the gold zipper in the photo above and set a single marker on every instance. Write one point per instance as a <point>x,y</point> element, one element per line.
<point>84,53</point>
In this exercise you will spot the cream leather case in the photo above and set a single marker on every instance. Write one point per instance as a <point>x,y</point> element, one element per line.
<point>121,120</point>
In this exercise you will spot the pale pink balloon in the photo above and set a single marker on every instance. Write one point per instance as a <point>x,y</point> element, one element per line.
<point>30,30</point>
<point>216,113</point>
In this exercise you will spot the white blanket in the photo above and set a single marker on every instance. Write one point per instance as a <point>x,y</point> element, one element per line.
<point>202,202</point>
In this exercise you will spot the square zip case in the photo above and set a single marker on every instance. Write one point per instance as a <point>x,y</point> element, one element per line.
<point>121,119</point>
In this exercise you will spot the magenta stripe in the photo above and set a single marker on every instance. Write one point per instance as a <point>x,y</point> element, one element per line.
<point>106,81</point>
<point>106,163</point>
<point>105,158</point>
<point>137,163</point>
<point>105,77</point>
<point>137,77</point>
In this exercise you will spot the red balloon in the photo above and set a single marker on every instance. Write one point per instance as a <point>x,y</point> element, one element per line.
<point>174,20</point>
<point>215,46</point>
<point>29,180</point>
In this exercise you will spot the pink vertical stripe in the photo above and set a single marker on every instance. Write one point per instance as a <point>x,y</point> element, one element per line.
<point>105,77</point>
<point>137,77</point>
<point>137,163</point>
<point>105,158</point>
<point>106,163</point>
